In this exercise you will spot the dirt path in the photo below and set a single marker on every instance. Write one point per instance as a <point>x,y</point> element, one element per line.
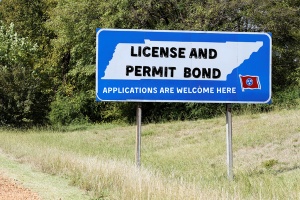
<point>16,178</point>
<point>12,190</point>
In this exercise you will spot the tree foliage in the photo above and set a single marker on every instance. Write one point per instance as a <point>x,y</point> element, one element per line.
<point>65,31</point>
<point>29,17</point>
<point>21,99</point>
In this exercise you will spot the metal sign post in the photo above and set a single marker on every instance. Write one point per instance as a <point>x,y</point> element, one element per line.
<point>229,141</point>
<point>138,134</point>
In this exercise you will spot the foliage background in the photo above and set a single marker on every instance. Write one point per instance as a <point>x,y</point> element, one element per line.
<point>60,83</point>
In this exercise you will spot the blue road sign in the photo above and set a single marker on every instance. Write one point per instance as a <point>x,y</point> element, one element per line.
<point>183,66</point>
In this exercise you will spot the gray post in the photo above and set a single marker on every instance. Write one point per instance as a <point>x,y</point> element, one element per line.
<point>138,134</point>
<point>229,141</point>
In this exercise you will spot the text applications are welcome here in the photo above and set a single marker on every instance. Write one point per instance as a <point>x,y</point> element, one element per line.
<point>172,52</point>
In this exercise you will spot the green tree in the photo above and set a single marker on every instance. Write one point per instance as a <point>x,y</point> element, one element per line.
<point>21,99</point>
<point>29,18</point>
<point>74,23</point>
<point>73,60</point>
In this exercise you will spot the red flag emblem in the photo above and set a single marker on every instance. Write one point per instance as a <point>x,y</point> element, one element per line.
<point>249,82</point>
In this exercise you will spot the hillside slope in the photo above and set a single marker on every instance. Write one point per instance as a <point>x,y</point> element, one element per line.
<point>185,159</point>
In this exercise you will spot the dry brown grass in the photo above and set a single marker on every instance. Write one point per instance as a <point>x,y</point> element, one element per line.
<point>181,160</point>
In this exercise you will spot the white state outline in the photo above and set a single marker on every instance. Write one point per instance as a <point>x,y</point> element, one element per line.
<point>258,82</point>
<point>215,32</point>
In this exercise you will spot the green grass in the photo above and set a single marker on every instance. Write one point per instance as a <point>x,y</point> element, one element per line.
<point>180,160</point>
<point>47,186</point>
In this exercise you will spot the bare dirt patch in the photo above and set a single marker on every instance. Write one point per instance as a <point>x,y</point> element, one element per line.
<point>13,190</point>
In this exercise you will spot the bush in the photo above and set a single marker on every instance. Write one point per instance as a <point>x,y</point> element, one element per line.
<point>22,101</point>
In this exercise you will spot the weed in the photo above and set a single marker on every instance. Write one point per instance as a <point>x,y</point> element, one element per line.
<point>147,133</point>
<point>269,163</point>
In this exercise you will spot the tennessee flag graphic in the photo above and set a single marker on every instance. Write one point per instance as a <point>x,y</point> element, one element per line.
<point>249,82</point>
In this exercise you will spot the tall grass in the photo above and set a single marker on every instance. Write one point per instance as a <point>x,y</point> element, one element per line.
<point>180,160</point>
<point>107,177</point>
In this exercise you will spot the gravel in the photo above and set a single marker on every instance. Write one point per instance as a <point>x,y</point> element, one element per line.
<point>13,190</point>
